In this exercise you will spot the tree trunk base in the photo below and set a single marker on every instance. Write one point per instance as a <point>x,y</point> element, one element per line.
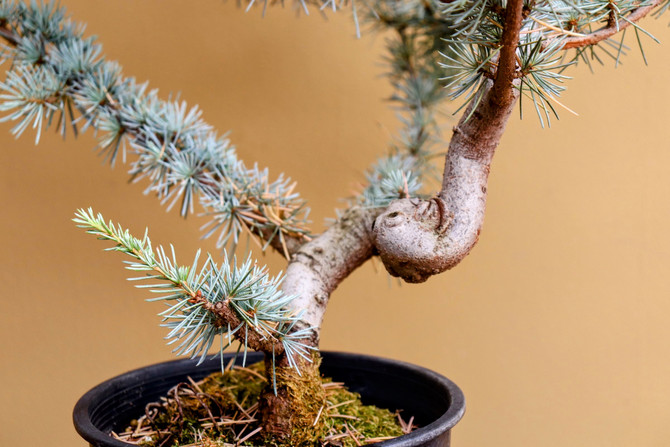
<point>293,413</point>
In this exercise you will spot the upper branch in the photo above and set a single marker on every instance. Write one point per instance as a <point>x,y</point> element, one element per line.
<point>416,238</point>
<point>507,61</point>
<point>319,266</point>
<point>611,29</point>
<point>57,71</point>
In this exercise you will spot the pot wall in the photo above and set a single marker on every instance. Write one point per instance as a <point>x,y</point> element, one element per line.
<point>436,403</point>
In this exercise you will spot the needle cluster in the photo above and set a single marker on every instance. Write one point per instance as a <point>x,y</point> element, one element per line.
<point>548,30</point>
<point>227,301</point>
<point>416,31</point>
<point>59,77</point>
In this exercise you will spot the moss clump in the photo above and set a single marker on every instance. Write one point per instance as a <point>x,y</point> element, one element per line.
<point>350,423</point>
<point>221,407</point>
<point>222,410</point>
<point>293,413</point>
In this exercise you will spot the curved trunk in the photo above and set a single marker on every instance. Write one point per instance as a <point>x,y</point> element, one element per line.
<point>420,238</point>
<point>319,266</point>
<point>415,238</point>
<point>315,270</point>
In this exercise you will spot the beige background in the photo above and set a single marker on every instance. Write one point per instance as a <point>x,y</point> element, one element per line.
<point>556,327</point>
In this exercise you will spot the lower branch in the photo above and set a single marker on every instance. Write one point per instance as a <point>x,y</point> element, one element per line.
<point>226,316</point>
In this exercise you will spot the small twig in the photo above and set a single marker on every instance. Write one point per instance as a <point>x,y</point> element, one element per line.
<point>343,416</point>
<point>332,385</point>
<point>206,407</point>
<point>239,407</point>
<point>150,417</point>
<point>610,30</point>
<point>165,440</point>
<point>332,407</point>
<point>227,422</point>
<point>318,416</point>
<point>410,425</point>
<point>406,427</point>
<point>140,420</point>
<point>336,437</point>
<point>195,385</point>
<point>252,409</point>
<point>283,244</point>
<point>250,435</point>
<point>111,100</point>
<point>557,29</point>
<point>352,435</point>
<point>251,371</point>
<point>175,391</point>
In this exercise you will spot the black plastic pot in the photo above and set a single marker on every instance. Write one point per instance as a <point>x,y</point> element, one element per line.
<point>436,403</point>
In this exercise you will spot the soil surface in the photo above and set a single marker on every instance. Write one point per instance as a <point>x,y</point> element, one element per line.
<point>222,410</point>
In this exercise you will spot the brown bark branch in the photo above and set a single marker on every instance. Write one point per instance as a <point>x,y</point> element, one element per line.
<point>611,29</point>
<point>226,316</point>
<point>417,239</point>
<point>10,37</point>
<point>507,62</point>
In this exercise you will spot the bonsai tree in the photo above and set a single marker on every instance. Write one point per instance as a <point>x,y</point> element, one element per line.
<point>490,56</point>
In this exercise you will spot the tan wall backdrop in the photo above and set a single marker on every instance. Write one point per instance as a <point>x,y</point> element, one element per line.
<point>556,327</point>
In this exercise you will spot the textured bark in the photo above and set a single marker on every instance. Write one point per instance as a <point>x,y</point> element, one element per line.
<point>420,238</point>
<point>319,266</point>
<point>416,238</point>
<point>315,270</point>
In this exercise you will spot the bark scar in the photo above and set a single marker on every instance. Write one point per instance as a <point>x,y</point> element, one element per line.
<point>443,223</point>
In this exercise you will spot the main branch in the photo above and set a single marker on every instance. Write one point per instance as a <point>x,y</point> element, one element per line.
<point>416,238</point>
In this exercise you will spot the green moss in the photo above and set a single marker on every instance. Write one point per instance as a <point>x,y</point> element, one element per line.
<point>187,415</point>
<point>347,415</point>
<point>303,399</point>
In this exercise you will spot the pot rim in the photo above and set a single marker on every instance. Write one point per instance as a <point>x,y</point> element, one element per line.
<point>363,363</point>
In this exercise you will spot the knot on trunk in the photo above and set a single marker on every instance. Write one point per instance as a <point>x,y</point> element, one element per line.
<point>410,238</point>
